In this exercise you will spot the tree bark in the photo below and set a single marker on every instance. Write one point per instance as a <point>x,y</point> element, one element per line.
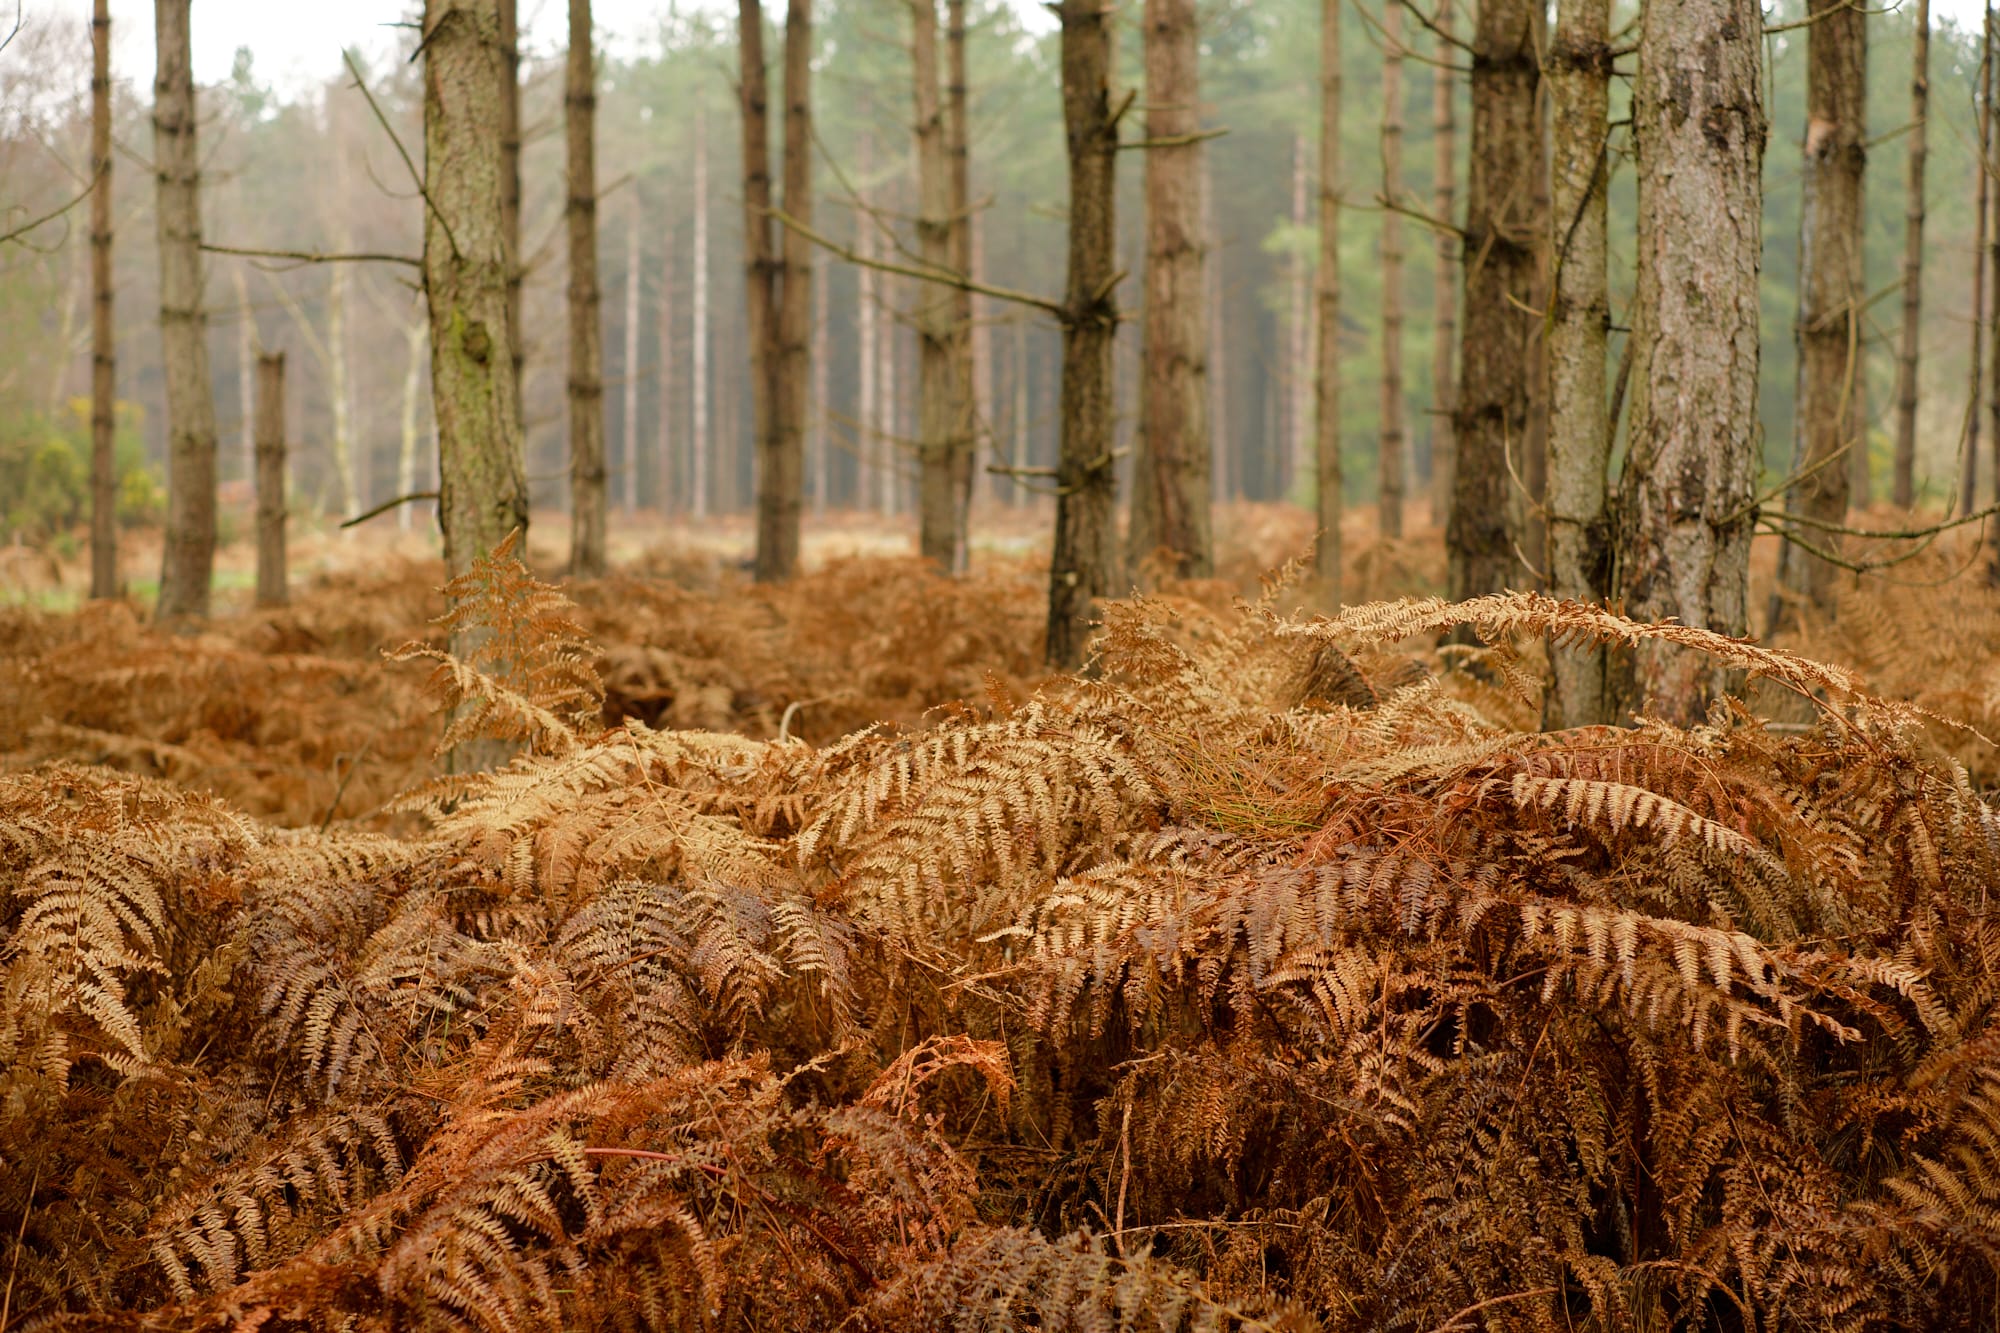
<point>1080,569</point>
<point>1911,343</point>
<point>965,338</point>
<point>483,494</point>
<point>667,468</point>
<point>510,199</point>
<point>270,461</point>
<point>1392,442</point>
<point>1326,377</point>
<point>760,260</point>
<point>247,347</point>
<point>869,446</point>
<point>1579,66</point>
<point>345,456</point>
<point>781,466</point>
<point>700,446</point>
<point>417,340</point>
<point>1170,510</point>
<point>103,334</point>
<point>1491,418</point>
<point>189,558</point>
<point>1688,496</point>
<point>1991,132</point>
<point>628,464</point>
<point>940,427</point>
<point>1444,289</point>
<point>586,330</point>
<point>1300,363</point>
<point>1827,414</point>
<point>1982,193</point>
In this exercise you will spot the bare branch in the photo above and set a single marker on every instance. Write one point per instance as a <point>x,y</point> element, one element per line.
<point>923,273</point>
<point>416,176</point>
<point>51,216</point>
<point>313,256</point>
<point>387,505</point>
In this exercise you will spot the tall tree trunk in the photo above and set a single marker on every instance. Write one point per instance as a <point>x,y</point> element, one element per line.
<point>417,339</point>
<point>1982,192</point>
<point>760,261</point>
<point>483,493</point>
<point>669,479</point>
<point>1389,502</point>
<point>1222,466</point>
<point>867,426</point>
<point>586,331</point>
<point>887,407</point>
<point>938,401</point>
<point>628,465</point>
<point>1444,289</point>
<point>1080,569</point>
<point>967,401</point>
<point>1827,414</point>
<point>247,346</point>
<point>701,447</point>
<point>1688,493</point>
<point>1503,232</point>
<point>190,538</point>
<point>1911,344</point>
<point>270,475</point>
<point>1326,378</point>
<point>1299,362</point>
<point>1016,493</point>
<point>1990,128</point>
<point>818,417</point>
<point>1172,511</point>
<point>781,459</point>
<point>345,456</point>
<point>510,199</point>
<point>1579,66</point>
<point>103,335</point>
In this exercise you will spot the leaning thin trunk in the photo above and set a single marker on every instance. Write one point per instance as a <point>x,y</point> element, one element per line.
<point>1910,347</point>
<point>628,464</point>
<point>1172,514</point>
<point>1326,377</point>
<point>103,345</point>
<point>1827,412</point>
<point>1080,568</point>
<point>1689,485</point>
<point>483,494</point>
<point>1491,418</point>
<point>938,425</point>
<point>781,457</point>
<point>1579,68</point>
<point>1444,288</point>
<point>189,558</point>
<point>269,456</point>
<point>1389,502</point>
<point>586,347</point>
<point>700,447</point>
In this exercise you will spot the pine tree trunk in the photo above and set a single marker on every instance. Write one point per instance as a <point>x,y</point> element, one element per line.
<point>246,372</point>
<point>819,465</point>
<point>1503,233</point>
<point>1085,553</point>
<point>966,398</point>
<point>1299,363</point>
<point>417,340</point>
<point>1910,343</point>
<point>587,500</point>
<point>669,479</point>
<point>1173,513</point>
<point>867,285</point>
<point>483,493</point>
<point>103,334</point>
<point>1389,501</point>
<point>939,428</point>
<point>889,440</point>
<point>270,473</point>
<point>1222,466</point>
<point>1016,494</point>
<point>1990,127</point>
<point>345,472</point>
<point>760,261</point>
<point>1968,485</point>
<point>510,199</point>
<point>700,447</point>
<point>1827,409</point>
<point>628,465</point>
<point>1444,288</point>
<point>1326,377</point>
<point>1579,65</point>
<point>189,557</point>
<point>1689,484</point>
<point>781,459</point>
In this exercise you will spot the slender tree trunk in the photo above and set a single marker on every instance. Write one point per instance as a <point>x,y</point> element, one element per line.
<point>628,465</point>
<point>1687,506</point>
<point>270,474</point>
<point>483,493</point>
<point>1968,486</point>
<point>190,538</point>
<point>417,338</point>
<point>246,372</point>
<point>938,399</point>
<point>1579,66</point>
<point>701,447</point>
<point>1911,343</point>
<point>1299,362</point>
<point>1326,378</point>
<point>868,426</point>
<point>1222,455</point>
<point>890,438</point>
<point>669,481</point>
<point>979,340</point>
<point>1990,129</point>
<point>816,446</point>
<point>1828,405</point>
<point>781,459</point>
<point>103,334</point>
<point>1022,406</point>
<point>760,261</point>
<point>1389,504</point>
<point>967,400</point>
<point>1171,512</point>
<point>1085,553</point>
<point>1444,290</point>
<point>510,198</point>
<point>345,456</point>
<point>1503,232</point>
<point>586,330</point>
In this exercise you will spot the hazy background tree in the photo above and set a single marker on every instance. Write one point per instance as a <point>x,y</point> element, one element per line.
<point>588,501</point>
<point>103,345</point>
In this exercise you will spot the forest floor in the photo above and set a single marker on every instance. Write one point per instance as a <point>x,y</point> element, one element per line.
<point>820,960</point>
